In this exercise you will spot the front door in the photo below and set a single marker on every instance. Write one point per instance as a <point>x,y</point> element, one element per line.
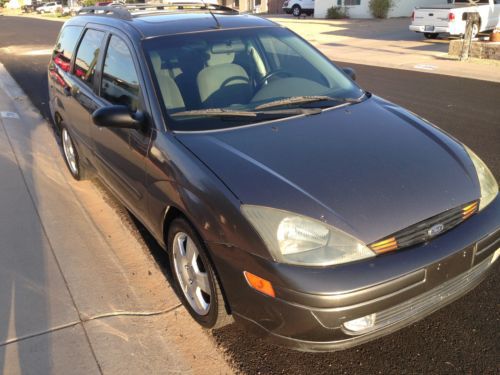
<point>120,153</point>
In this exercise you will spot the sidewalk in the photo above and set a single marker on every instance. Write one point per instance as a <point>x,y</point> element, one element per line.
<point>78,292</point>
<point>386,43</point>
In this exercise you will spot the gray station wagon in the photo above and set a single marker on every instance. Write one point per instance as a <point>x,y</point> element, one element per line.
<point>288,198</point>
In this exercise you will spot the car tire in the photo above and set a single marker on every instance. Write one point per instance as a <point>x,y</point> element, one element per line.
<point>194,277</point>
<point>431,35</point>
<point>296,10</point>
<point>71,157</point>
<point>475,30</point>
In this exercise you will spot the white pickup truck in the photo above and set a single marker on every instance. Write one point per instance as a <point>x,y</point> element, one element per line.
<point>451,18</point>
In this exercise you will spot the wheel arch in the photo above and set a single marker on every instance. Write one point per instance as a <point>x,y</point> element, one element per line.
<point>465,15</point>
<point>172,213</point>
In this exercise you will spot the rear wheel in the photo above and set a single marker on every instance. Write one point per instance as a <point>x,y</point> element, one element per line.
<point>475,30</point>
<point>431,35</point>
<point>194,277</point>
<point>296,11</point>
<point>71,156</point>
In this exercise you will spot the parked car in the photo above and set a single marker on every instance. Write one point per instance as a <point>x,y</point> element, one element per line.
<point>451,18</point>
<point>297,7</point>
<point>49,7</point>
<point>287,197</point>
<point>30,6</point>
<point>71,11</point>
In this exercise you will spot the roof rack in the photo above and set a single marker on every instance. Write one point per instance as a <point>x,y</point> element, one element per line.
<point>128,11</point>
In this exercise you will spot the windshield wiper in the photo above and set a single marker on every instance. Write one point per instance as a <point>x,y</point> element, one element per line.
<point>305,100</point>
<point>221,112</point>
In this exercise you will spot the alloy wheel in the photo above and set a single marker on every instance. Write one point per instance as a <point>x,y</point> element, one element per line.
<point>191,273</point>
<point>69,152</point>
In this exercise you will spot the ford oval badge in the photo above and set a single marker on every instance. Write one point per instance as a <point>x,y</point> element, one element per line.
<point>435,230</point>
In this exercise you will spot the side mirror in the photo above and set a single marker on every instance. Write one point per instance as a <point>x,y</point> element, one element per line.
<point>350,72</point>
<point>118,116</point>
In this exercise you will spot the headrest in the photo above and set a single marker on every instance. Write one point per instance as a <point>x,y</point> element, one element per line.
<point>220,58</point>
<point>156,60</point>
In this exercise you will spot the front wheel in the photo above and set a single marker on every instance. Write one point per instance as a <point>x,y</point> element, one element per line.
<point>296,11</point>
<point>194,277</point>
<point>431,35</point>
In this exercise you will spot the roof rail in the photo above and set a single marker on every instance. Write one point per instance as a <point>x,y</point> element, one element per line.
<point>128,11</point>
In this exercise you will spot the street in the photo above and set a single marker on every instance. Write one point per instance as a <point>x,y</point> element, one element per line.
<point>461,338</point>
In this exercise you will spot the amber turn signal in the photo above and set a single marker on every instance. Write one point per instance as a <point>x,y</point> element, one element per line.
<point>469,210</point>
<point>260,284</point>
<point>385,245</point>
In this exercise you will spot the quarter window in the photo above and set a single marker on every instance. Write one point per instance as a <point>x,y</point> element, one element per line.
<point>87,55</point>
<point>65,47</point>
<point>120,84</point>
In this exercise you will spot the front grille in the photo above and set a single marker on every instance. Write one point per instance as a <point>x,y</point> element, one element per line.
<point>425,230</point>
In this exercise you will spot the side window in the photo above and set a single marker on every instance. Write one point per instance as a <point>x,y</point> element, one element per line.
<point>87,55</point>
<point>65,46</point>
<point>120,84</point>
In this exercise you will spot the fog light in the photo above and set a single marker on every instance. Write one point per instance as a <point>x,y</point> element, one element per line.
<point>360,324</point>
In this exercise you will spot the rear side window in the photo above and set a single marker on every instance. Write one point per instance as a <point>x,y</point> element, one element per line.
<point>88,55</point>
<point>65,46</point>
<point>120,84</point>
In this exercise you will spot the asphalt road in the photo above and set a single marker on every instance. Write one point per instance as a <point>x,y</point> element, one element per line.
<point>461,338</point>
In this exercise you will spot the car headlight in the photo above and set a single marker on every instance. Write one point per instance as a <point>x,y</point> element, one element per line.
<point>296,239</point>
<point>487,182</point>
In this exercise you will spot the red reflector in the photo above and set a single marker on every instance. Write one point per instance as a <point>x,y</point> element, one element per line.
<point>451,16</point>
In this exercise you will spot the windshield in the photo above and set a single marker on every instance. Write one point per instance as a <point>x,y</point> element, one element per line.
<point>230,78</point>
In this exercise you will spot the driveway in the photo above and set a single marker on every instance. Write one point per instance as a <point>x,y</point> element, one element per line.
<point>386,43</point>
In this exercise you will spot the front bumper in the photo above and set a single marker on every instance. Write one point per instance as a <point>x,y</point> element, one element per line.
<point>312,304</point>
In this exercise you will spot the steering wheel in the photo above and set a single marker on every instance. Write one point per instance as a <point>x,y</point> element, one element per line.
<point>273,74</point>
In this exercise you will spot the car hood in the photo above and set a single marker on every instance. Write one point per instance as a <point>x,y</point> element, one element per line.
<point>369,169</point>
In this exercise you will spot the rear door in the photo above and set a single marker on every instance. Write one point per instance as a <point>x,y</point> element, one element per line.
<point>120,153</point>
<point>60,70</point>
<point>80,101</point>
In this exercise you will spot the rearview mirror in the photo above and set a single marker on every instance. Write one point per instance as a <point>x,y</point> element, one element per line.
<point>350,72</point>
<point>117,116</point>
